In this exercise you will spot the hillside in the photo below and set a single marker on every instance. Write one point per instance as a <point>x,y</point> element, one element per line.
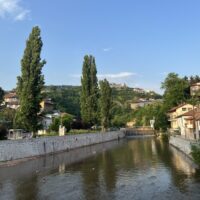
<point>67,98</point>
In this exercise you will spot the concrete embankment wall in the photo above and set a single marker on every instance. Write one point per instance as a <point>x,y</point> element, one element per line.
<point>19,149</point>
<point>182,144</point>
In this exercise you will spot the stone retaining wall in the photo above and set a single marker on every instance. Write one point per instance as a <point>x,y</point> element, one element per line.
<point>19,149</point>
<point>182,144</point>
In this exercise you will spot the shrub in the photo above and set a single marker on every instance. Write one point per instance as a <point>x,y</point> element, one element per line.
<point>196,153</point>
<point>3,132</point>
<point>55,125</point>
<point>66,120</point>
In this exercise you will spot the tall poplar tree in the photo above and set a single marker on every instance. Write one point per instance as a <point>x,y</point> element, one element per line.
<point>94,91</point>
<point>105,103</point>
<point>30,83</point>
<point>89,91</point>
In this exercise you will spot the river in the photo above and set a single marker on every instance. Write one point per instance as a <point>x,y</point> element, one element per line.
<point>126,169</point>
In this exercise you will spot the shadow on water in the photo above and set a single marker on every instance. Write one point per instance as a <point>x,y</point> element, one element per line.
<point>128,169</point>
<point>179,165</point>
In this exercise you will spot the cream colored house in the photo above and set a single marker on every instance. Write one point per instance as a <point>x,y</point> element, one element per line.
<point>178,111</point>
<point>189,124</point>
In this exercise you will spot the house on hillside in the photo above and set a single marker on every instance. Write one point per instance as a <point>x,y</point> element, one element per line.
<point>178,111</point>
<point>189,124</point>
<point>11,100</point>
<point>139,104</point>
<point>195,89</point>
<point>139,90</point>
<point>143,102</point>
<point>118,86</point>
<point>47,106</point>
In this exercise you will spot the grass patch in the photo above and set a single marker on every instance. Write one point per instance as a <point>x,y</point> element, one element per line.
<point>71,132</point>
<point>81,131</point>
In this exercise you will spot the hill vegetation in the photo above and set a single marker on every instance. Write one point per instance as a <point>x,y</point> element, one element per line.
<point>67,99</point>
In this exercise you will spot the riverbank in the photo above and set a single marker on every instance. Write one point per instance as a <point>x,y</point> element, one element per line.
<point>17,150</point>
<point>127,169</point>
<point>182,144</point>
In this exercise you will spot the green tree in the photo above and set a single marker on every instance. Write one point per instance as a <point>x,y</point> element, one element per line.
<point>65,120</point>
<point>7,116</point>
<point>89,91</point>
<point>94,91</point>
<point>176,90</point>
<point>30,83</point>
<point>1,94</point>
<point>55,125</point>
<point>105,103</point>
<point>194,79</point>
<point>148,112</point>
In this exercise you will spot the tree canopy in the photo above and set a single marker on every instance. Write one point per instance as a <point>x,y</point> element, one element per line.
<point>30,83</point>
<point>105,103</point>
<point>176,90</point>
<point>89,91</point>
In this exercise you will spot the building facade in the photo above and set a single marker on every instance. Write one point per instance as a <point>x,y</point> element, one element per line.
<point>175,112</point>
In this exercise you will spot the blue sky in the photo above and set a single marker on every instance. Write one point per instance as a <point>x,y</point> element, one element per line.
<point>136,42</point>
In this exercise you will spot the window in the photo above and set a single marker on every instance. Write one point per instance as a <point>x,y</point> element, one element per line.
<point>184,109</point>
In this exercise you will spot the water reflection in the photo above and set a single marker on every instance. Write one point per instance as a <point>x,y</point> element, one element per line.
<point>27,188</point>
<point>129,169</point>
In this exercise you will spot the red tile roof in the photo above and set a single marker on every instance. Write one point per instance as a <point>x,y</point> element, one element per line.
<point>10,95</point>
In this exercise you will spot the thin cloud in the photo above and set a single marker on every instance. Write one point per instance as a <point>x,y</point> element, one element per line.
<point>117,76</point>
<point>13,9</point>
<point>120,75</point>
<point>164,73</point>
<point>107,49</point>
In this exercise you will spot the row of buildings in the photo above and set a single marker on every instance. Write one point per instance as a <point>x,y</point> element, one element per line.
<point>185,118</point>
<point>136,89</point>
<point>47,111</point>
<point>141,102</point>
<point>11,100</point>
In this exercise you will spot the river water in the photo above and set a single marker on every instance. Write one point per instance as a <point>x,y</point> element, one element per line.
<point>126,169</point>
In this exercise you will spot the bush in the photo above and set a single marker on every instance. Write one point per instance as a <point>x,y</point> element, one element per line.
<point>55,125</point>
<point>66,120</point>
<point>196,153</point>
<point>3,132</point>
